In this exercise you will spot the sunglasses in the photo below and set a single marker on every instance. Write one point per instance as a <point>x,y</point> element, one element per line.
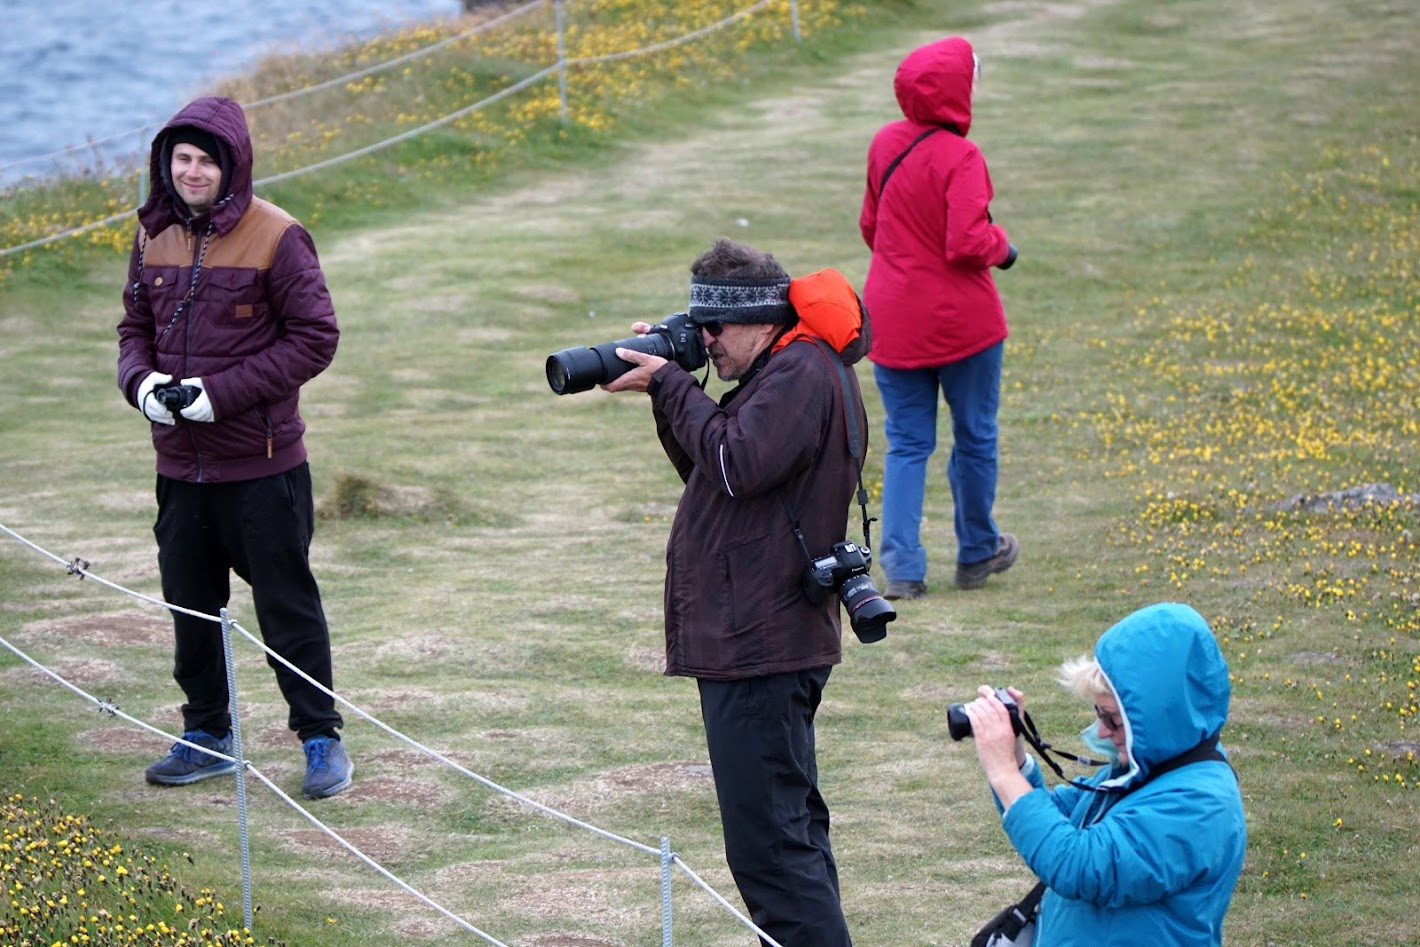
<point>712,328</point>
<point>1112,720</point>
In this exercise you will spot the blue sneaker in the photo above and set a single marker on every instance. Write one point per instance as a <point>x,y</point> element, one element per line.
<point>184,765</point>
<point>328,768</point>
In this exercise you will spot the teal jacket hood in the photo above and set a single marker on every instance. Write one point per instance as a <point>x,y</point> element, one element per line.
<point>1164,715</point>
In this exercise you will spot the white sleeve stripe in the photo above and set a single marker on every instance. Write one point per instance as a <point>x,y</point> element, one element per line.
<point>724,476</point>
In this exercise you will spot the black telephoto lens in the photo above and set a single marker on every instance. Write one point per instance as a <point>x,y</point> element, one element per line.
<point>868,612</point>
<point>583,368</point>
<point>573,370</point>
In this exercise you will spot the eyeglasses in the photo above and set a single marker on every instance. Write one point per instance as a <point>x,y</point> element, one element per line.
<point>1112,720</point>
<point>712,328</point>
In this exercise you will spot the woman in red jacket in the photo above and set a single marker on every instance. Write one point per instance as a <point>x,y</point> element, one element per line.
<point>937,319</point>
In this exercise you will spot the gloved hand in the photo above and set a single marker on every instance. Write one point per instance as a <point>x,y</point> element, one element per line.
<point>151,406</point>
<point>201,408</point>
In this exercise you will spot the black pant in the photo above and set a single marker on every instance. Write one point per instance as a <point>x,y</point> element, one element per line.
<point>760,733</point>
<point>262,530</point>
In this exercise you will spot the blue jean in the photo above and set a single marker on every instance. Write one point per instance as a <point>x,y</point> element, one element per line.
<point>972,390</point>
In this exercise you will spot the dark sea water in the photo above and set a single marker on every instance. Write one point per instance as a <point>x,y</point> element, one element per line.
<point>76,71</point>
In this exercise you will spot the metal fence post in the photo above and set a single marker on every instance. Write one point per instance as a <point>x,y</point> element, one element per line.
<point>241,766</point>
<point>665,892</point>
<point>561,61</point>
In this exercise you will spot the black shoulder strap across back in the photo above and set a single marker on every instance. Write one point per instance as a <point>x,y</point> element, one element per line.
<point>898,160</point>
<point>1207,750</point>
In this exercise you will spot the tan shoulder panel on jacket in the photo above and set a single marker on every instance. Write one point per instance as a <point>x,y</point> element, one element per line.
<point>251,244</point>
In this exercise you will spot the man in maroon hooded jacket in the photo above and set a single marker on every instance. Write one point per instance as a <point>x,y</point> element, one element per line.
<point>939,328</point>
<point>226,316</point>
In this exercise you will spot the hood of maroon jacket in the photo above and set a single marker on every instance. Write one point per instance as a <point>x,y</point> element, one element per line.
<point>225,120</point>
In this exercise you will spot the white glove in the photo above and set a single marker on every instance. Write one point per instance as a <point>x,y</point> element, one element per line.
<point>151,406</point>
<point>201,408</point>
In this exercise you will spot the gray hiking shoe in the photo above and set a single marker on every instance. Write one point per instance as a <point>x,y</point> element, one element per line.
<point>328,768</point>
<point>973,575</point>
<point>184,765</point>
<point>901,588</point>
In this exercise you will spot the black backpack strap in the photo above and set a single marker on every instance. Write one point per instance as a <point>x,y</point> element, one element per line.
<point>1011,920</point>
<point>1031,902</point>
<point>1207,750</point>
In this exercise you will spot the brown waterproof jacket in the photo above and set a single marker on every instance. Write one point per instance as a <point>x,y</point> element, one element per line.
<point>258,325</point>
<point>772,452</point>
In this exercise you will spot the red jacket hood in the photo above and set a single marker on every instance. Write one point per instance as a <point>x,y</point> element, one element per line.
<point>933,84</point>
<point>224,119</point>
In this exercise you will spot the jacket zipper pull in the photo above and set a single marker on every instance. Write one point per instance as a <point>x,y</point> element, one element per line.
<point>268,447</point>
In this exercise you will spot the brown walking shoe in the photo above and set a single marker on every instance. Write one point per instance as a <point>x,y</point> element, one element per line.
<point>973,575</point>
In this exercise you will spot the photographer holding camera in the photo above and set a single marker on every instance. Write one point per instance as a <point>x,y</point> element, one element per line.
<point>226,316</point>
<point>1147,850</point>
<point>769,472</point>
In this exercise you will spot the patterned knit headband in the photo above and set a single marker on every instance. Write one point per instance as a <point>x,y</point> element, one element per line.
<point>736,300</point>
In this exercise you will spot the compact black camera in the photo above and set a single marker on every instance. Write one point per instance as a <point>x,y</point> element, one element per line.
<point>582,368</point>
<point>845,570</point>
<point>959,724</point>
<point>176,397</point>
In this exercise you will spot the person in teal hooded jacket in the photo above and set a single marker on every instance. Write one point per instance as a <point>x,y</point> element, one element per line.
<point>1150,853</point>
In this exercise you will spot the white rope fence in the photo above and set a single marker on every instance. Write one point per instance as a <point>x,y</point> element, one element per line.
<point>559,68</point>
<point>79,567</point>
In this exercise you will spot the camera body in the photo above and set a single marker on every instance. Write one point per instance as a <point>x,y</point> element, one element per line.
<point>176,397</point>
<point>959,724</point>
<point>582,368</point>
<point>845,571</point>
<point>845,560</point>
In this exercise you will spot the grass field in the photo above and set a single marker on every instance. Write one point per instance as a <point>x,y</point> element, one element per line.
<point>1214,314</point>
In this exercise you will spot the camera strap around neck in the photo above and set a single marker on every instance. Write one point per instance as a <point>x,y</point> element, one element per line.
<point>1206,750</point>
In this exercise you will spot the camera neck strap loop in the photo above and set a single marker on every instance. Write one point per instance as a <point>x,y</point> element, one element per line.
<point>1047,752</point>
